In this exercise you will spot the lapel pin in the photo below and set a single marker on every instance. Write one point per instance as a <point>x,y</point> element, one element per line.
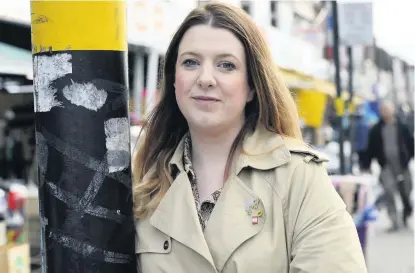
<point>254,220</point>
<point>248,209</point>
<point>256,203</point>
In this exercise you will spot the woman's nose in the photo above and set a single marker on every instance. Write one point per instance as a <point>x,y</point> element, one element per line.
<point>206,79</point>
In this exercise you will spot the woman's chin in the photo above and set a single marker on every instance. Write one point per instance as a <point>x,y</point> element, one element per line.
<point>205,124</point>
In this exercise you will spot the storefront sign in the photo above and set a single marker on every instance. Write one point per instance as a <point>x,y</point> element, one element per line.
<point>356,24</point>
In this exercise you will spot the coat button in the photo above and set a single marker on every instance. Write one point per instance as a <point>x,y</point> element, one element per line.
<point>166,245</point>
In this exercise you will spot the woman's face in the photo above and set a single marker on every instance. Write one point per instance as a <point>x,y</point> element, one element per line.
<point>211,79</point>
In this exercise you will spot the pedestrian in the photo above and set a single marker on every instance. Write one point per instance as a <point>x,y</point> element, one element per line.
<point>392,145</point>
<point>361,136</point>
<point>223,180</point>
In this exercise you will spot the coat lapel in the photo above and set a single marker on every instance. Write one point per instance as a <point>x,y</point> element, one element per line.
<point>176,216</point>
<point>230,225</point>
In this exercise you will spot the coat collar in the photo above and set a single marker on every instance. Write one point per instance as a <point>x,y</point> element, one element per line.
<point>261,150</point>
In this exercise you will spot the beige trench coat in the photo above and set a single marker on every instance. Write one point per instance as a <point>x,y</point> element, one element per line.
<point>304,227</point>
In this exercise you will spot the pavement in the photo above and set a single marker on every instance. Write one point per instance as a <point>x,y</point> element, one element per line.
<point>390,252</point>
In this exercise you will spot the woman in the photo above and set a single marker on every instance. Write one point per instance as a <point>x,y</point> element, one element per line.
<point>223,182</point>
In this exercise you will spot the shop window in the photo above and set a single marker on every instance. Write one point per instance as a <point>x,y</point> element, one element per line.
<point>274,13</point>
<point>300,22</point>
<point>202,2</point>
<point>246,6</point>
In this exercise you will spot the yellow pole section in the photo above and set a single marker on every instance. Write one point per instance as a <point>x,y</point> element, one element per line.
<point>78,25</point>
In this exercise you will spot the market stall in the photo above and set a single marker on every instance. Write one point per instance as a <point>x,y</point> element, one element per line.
<point>357,193</point>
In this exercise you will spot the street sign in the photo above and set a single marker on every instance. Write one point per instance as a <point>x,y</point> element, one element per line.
<point>355,24</point>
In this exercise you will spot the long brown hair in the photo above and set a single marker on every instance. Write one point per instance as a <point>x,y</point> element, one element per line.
<point>272,106</point>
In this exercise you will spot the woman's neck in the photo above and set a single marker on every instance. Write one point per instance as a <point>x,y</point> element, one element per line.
<point>212,150</point>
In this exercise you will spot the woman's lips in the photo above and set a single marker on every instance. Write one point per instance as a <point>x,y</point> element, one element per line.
<point>205,101</point>
<point>205,98</point>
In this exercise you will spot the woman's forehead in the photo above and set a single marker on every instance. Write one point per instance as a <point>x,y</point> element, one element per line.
<point>207,40</point>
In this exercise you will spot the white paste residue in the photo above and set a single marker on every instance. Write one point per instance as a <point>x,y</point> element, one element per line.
<point>117,143</point>
<point>86,95</point>
<point>42,152</point>
<point>46,70</point>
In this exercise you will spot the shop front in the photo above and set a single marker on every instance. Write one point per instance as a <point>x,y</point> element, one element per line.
<point>312,106</point>
<point>303,71</point>
<point>151,25</point>
<point>307,75</point>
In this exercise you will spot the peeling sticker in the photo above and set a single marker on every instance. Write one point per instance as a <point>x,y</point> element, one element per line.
<point>82,158</point>
<point>46,70</point>
<point>117,160</point>
<point>86,95</point>
<point>117,143</point>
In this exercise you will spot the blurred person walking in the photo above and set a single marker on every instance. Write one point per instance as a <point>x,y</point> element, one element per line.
<point>361,137</point>
<point>392,145</point>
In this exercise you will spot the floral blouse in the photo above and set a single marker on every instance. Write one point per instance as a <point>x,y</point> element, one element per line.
<point>204,208</point>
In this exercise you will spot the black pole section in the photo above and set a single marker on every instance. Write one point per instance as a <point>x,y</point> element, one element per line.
<point>350,88</point>
<point>82,136</point>
<point>336,59</point>
<point>350,72</point>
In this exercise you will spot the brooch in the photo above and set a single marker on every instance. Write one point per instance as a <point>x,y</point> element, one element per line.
<point>252,210</point>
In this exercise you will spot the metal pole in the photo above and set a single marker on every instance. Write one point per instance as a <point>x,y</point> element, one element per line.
<point>138,85</point>
<point>82,136</point>
<point>395,64</point>
<point>350,69</point>
<point>350,101</point>
<point>376,62</point>
<point>336,59</point>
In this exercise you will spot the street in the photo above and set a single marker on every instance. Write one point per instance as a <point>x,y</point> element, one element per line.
<point>390,252</point>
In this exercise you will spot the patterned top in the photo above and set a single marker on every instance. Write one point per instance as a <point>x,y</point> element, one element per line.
<point>204,208</point>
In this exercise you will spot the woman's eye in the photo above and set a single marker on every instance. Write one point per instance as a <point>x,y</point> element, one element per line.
<point>189,63</point>
<point>227,65</point>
